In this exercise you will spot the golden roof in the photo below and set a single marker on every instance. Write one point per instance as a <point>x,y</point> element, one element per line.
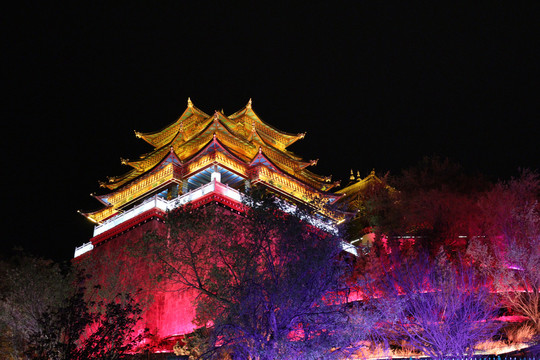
<point>242,133</point>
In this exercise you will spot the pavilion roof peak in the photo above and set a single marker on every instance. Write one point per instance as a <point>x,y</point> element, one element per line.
<point>244,133</point>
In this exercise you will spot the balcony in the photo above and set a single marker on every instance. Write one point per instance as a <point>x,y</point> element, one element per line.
<point>156,202</point>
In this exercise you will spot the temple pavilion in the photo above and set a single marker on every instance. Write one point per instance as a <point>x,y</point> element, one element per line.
<point>200,158</point>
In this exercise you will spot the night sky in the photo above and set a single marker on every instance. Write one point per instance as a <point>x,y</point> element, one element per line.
<point>374,84</point>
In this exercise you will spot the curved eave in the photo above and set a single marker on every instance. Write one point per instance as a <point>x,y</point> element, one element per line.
<point>153,138</point>
<point>300,176</point>
<point>319,178</point>
<point>176,141</point>
<point>102,199</point>
<point>117,181</point>
<point>150,160</point>
<point>268,141</point>
<point>330,197</point>
<point>263,156</point>
<point>284,154</point>
<point>126,181</point>
<point>189,149</point>
<point>92,216</point>
<point>139,168</point>
<point>300,163</point>
<point>219,145</point>
<point>288,138</point>
<point>206,149</point>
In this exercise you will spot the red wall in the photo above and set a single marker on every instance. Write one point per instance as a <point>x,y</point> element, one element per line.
<point>118,266</point>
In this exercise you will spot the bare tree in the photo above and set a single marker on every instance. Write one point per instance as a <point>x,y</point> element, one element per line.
<point>436,307</point>
<point>269,284</point>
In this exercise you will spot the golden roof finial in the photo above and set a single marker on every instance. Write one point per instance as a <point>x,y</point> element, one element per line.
<point>124,161</point>
<point>372,172</point>
<point>138,134</point>
<point>189,103</point>
<point>216,115</point>
<point>302,135</point>
<point>248,106</point>
<point>352,175</point>
<point>358,175</point>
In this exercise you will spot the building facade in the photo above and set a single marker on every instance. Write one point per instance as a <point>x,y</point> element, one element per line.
<point>199,159</point>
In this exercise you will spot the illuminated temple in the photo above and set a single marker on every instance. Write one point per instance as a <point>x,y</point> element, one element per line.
<point>197,159</point>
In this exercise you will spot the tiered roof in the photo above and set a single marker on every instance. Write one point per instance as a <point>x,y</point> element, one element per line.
<point>241,143</point>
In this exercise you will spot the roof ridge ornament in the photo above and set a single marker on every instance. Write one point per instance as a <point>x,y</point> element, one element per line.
<point>248,106</point>
<point>189,103</point>
<point>352,175</point>
<point>216,115</point>
<point>138,134</point>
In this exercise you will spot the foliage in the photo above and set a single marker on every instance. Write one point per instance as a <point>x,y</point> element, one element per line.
<point>81,329</point>
<point>60,329</point>
<point>29,286</point>
<point>434,202</point>
<point>45,313</point>
<point>113,336</point>
<point>269,284</point>
<point>437,307</point>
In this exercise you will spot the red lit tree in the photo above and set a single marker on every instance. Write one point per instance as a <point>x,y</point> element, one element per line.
<point>80,329</point>
<point>508,245</point>
<point>45,314</point>
<point>434,203</point>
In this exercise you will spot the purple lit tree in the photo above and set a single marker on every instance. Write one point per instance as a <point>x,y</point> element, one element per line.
<point>436,307</point>
<point>270,285</point>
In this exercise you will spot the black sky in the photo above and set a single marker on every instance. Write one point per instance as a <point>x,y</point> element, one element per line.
<point>375,85</point>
